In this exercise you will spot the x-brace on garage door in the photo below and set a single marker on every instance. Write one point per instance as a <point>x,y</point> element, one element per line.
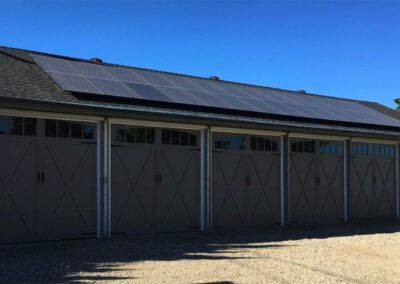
<point>316,182</point>
<point>372,181</point>
<point>155,181</point>
<point>47,179</point>
<point>245,180</point>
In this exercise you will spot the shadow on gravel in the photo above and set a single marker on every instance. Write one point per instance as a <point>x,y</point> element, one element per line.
<point>63,261</point>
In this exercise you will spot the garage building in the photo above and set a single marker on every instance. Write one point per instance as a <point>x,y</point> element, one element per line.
<point>94,150</point>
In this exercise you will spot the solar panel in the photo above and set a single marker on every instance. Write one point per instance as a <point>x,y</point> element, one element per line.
<point>85,77</point>
<point>149,92</point>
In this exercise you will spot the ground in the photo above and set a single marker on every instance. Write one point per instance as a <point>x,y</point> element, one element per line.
<point>362,253</point>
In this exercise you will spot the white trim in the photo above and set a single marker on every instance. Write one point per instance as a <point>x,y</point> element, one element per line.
<point>246,131</point>
<point>315,136</point>
<point>106,168</point>
<point>397,181</point>
<point>345,182</point>
<point>161,124</point>
<point>98,179</point>
<point>374,141</point>
<point>209,180</point>
<point>109,189</point>
<point>202,180</point>
<point>50,115</point>
<point>282,185</point>
<point>288,184</point>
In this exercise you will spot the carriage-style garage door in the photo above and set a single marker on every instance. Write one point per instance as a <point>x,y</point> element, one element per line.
<point>245,174</point>
<point>47,179</point>
<point>155,179</point>
<point>372,181</point>
<point>316,182</point>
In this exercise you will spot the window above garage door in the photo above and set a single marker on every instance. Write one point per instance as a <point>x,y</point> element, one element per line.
<point>18,126</point>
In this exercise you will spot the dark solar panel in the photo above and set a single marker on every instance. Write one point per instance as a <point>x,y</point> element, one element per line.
<point>153,78</point>
<point>211,100</point>
<point>125,75</point>
<point>114,88</point>
<point>84,77</point>
<point>148,92</point>
<point>180,96</point>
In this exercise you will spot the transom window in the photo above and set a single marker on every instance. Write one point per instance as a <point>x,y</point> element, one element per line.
<point>303,147</point>
<point>385,150</point>
<point>135,135</point>
<point>263,144</point>
<point>178,137</point>
<point>68,129</point>
<point>230,142</point>
<point>18,126</point>
<point>361,149</point>
<point>330,148</point>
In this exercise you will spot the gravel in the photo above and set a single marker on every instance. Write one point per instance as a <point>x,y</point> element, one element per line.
<point>358,253</point>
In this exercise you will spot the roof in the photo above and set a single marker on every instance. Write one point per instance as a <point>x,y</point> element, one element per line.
<point>23,79</point>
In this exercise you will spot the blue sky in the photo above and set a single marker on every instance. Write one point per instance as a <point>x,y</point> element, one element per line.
<point>339,48</point>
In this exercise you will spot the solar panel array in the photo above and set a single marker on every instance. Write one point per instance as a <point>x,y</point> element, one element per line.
<point>84,77</point>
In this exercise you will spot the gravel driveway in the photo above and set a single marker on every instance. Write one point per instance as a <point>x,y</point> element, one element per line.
<point>363,253</point>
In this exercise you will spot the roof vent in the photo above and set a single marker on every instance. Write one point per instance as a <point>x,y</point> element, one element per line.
<point>214,78</point>
<point>301,91</point>
<point>97,60</point>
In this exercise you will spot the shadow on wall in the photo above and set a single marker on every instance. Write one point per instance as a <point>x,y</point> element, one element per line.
<point>63,261</point>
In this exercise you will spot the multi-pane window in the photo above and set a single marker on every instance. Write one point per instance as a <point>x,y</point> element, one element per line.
<point>384,150</point>
<point>361,149</point>
<point>230,142</point>
<point>140,135</point>
<point>263,144</point>
<point>178,137</point>
<point>18,126</point>
<point>303,147</point>
<point>68,129</point>
<point>330,148</point>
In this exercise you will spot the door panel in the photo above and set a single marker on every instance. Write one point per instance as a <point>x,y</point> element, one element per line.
<point>67,194</point>
<point>246,181</point>
<point>18,181</point>
<point>316,182</point>
<point>177,194</point>
<point>372,191</point>
<point>229,188</point>
<point>263,191</point>
<point>384,191</point>
<point>155,185</point>
<point>329,193</point>
<point>302,188</point>
<point>361,194</point>
<point>133,189</point>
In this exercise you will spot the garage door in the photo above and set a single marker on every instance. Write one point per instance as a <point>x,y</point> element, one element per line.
<point>155,180</point>
<point>245,174</point>
<point>372,181</point>
<point>316,182</point>
<point>47,179</point>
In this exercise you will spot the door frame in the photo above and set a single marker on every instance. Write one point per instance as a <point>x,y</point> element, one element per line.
<point>157,124</point>
<point>78,118</point>
<point>249,131</point>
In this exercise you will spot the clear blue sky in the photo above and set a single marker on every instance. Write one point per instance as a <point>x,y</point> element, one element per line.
<point>339,48</point>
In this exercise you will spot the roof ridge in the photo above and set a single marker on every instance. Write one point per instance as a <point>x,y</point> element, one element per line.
<point>184,75</point>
